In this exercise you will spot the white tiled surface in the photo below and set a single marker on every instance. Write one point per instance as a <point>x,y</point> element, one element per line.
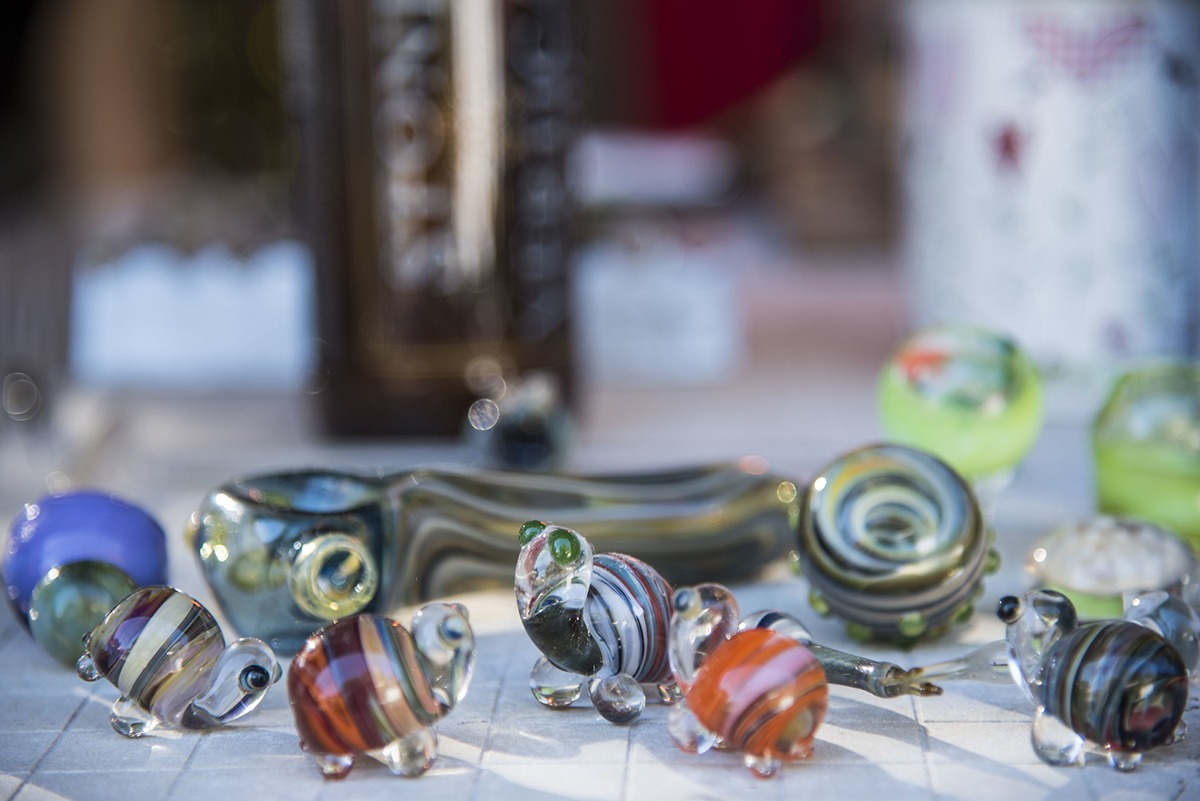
<point>807,396</point>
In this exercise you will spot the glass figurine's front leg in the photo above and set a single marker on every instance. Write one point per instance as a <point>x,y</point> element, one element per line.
<point>618,699</point>
<point>553,687</point>
<point>687,732</point>
<point>412,755</point>
<point>130,720</point>
<point>1054,742</point>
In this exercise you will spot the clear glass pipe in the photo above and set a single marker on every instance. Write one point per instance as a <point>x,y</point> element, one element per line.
<point>286,553</point>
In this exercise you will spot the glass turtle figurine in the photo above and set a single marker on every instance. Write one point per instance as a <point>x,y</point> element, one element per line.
<point>598,619</point>
<point>166,654</point>
<point>367,685</point>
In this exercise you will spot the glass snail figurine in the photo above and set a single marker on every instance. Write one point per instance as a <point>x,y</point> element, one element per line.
<point>892,541</point>
<point>598,619</point>
<point>367,685</point>
<point>167,656</point>
<point>71,557</point>
<point>758,685</point>
<point>1113,687</point>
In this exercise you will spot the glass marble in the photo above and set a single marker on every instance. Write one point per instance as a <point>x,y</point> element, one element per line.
<point>1146,445</point>
<point>968,395</point>
<point>287,553</point>
<point>167,656</point>
<point>365,685</point>
<point>1100,561</point>
<point>598,619</point>
<point>892,541</point>
<point>71,557</point>
<point>1114,686</point>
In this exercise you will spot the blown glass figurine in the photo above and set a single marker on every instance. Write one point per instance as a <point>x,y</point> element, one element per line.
<point>892,542</point>
<point>167,656</point>
<point>287,553</point>
<point>757,684</point>
<point>366,685</point>
<point>967,395</point>
<point>71,557</point>
<point>600,619</point>
<point>1146,444</point>
<point>1113,687</point>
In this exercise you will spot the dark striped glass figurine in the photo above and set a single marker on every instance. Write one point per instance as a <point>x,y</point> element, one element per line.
<point>367,685</point>
<point>1116,685</point>
<point>167,656</point>
<point>598,619</point>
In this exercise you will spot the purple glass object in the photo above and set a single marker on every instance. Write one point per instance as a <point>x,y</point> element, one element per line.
<point>80,526</point>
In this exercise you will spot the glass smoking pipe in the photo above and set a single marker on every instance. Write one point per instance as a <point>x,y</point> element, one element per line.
<point>757,684</point>
<point>367,685</point>
<point>598,619</point>
<point>967,395</point>
<point>289,552</point>
<point>167,656</point>
<point>892,542</point>
<point>71,557</point>
<point>1114,687</point>
<point>1146,444</point>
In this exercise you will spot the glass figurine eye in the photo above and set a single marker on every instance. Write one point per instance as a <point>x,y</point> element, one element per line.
<point>530,530</point>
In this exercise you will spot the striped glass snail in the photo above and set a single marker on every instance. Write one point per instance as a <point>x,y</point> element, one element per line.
<point>892,541</point>
<point>167,656</point>
<point>758,684</point>
<point>367,685</point>
<point>600,619</point>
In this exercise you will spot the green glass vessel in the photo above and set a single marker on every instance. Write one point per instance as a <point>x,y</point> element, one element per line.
<point>1146,444</point>
<point>967,395</point>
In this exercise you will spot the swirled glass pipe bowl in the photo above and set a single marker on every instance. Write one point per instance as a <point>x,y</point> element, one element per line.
<point>167,656</point>
<point>365,685</point>
<point>598,619</point>
<point>289,552</point>
<point>1146,444</point>
<point>967,395</point>
<point>756,685</point>
<point>71,557</point>
<point>892,541</point>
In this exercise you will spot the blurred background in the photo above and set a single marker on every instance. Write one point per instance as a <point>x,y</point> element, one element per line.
<point>362,219</point>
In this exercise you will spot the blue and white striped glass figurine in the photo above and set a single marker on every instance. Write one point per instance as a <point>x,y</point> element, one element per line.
<point>599,619</point>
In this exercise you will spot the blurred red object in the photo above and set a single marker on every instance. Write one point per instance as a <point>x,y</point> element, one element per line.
<point>705,56</point>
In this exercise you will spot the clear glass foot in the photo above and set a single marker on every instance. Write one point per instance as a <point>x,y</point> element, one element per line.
<point>1123,760</point>
<point>763,767</point>
<point>1054,742</point>
<point>669,694</point>
<point>687,732</point>
<point>618,699</point>
<point>130,720</point>
<point>553,687</point>
<point>412,755</point>
<point>335,766</point>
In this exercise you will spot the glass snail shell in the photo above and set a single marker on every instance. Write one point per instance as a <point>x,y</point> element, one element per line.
<point>599,619</point>
<point>167,656</point>
<point>1116,685</point>
<point>367,685</point>
<point>892,541</point>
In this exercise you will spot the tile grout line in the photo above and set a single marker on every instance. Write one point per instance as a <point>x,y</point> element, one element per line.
<point>62,730</point>
<point>183,768</point>
<point>923,733</point>
<point>487,739</point>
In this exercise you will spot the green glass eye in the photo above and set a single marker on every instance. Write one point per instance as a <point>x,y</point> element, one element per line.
<point>530,530</point>
<point>564,547</point>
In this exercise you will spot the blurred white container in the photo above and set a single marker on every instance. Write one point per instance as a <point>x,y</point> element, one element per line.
<point>1051,173</point>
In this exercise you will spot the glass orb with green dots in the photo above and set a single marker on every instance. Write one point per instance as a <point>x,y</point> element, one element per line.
<point>968,395</point>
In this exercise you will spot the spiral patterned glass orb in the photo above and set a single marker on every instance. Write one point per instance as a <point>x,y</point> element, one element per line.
<point>892,541</point>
